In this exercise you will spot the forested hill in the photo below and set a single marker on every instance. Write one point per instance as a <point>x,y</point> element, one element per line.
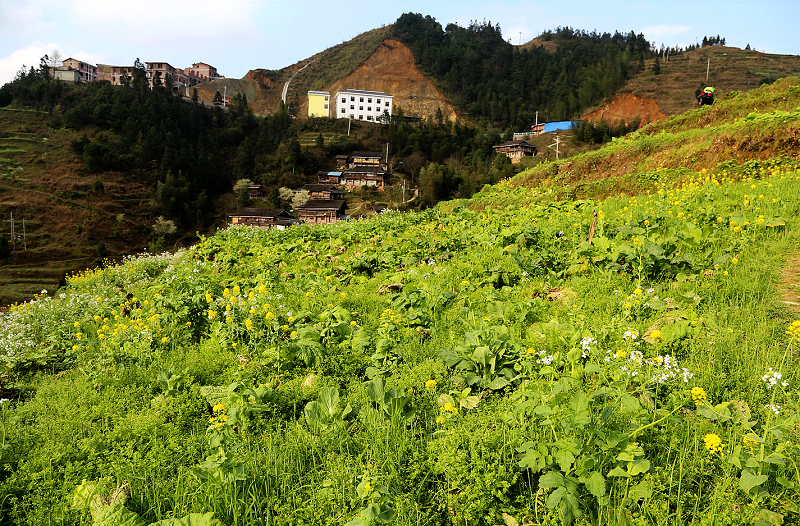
<point>489,79</point>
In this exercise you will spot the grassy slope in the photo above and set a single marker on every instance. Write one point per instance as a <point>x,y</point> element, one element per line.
<point>760,125</point>
<point>111,413</point>
<point>42,181</point>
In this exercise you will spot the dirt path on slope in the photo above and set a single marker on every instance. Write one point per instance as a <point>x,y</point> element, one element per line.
<point>789,284</point>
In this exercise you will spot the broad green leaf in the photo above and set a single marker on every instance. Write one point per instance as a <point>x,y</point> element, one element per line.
<point>565,459</point>
<point>749,480</point>
<point>765,517</point>
<point>630,403</point>
<point>376,391</point>
<point>596,484</point>
<point>639,466</point>
<point>329,400</point>
<point>554,499</point>
<point>618,472</point>
<point>193,519</point>
<point>551,479</point>
<point>640,491</point>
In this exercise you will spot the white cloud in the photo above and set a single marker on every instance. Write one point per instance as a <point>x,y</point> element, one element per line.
<point>23,19</point>
<point>28,56</point>
<point>662,32</point>
<point>165,21</point>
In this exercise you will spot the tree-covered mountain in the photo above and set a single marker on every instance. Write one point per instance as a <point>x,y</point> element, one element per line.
<point>491,80</point>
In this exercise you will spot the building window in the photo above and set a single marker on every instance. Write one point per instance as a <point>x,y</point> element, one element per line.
<point>342,110</point>
<point>361,108</point>
<point>352,99</point>
<point>326,107</point>
<point>369,108</point>
<point>344,99</point>
<point>377,101</point>
<point>352,116</point>
<point>352,106</point>
<point>361,117</point>
<point>362,99</point>
<point>369,117</point>
<point>387,104</point>
<point>326,98</point>
<point>369,100</point>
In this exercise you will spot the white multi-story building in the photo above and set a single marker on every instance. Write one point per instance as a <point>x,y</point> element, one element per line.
<point>363,105</point>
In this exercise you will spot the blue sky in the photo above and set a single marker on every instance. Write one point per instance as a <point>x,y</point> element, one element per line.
<point>238,35</point>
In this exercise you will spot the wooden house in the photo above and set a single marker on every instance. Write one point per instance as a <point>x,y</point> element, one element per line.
<point>366,159</point>
<point>255,190</point>
<point>516,150</point>
<point>363,176</point>
<point>341,160</point>
<point>322,210</point>
<point>329,177</point>
<point>263,218</point>
<point>321,191</point>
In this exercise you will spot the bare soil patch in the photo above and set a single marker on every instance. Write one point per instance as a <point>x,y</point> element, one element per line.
<point>789,284</point>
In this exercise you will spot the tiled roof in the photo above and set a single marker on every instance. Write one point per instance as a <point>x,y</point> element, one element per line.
<point>322,204</point>
<point>261,212</point>
<point>373,170</point>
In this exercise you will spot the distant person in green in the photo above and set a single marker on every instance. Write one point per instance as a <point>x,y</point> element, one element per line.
<point>707,97</point>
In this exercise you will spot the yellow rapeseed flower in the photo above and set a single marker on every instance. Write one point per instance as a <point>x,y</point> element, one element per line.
<point>699,395</point>
<point>430,385</point>
<point>794,330</point>
<point>713,443</point>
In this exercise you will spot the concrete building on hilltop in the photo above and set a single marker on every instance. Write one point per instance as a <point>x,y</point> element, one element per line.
<point>86,72</point>
<point>363,105</point>
<point>319,104</point>
<point>185,78</point>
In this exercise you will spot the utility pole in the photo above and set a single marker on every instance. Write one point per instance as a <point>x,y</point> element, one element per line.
<point>24,236</point>
<point>558,141</point>
<point>520,38</point>
<point>13,235</point>
<point>708,66</point>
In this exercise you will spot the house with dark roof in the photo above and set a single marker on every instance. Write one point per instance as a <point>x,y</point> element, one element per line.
<point>321,191</point>
<point>366,159</point>
<point>516,150</point>
<point>361,176</point>
<point>322,210</point>
<point>263,218</point>
<point>256,190</point>
<point>329,177</point>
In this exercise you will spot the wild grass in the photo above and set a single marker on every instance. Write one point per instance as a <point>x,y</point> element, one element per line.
<point>108,386</point>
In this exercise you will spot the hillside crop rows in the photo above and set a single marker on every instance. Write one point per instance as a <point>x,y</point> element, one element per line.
<point>454,366</point>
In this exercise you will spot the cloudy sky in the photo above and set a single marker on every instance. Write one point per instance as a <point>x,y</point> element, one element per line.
<point>238,35</point>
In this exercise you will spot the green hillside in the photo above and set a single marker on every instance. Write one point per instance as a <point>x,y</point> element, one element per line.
<point>522,357</point>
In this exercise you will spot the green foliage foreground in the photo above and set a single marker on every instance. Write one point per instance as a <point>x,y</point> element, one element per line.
<point>449,367</point>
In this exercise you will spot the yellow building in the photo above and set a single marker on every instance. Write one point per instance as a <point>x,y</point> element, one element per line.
<point>318,103</point>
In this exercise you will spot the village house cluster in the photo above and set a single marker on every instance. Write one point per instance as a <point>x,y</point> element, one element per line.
<point>326,202</point>
<point>76,71</point>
